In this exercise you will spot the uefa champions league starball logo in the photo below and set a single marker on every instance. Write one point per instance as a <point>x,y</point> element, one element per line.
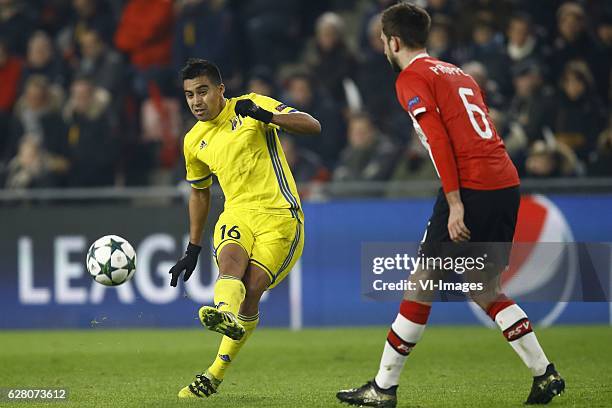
<point>543,264</point>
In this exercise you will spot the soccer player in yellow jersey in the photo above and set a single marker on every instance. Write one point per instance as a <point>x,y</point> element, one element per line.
<point>260,234</point>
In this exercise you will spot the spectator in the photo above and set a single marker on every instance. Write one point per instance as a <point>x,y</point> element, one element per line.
<point>10,75</point>
<point>601,165</point>
<point>575,43</point>
<point>5,126</point>
<point>531,113</point>
<point>486,48</point>
<point>514,68</point>
<point>494,99</point>
<point>37,114</point>
<point>413,164</point>
<point>54,15</point>
<point>375,8</point>
<point>161,132</point>
<point>204,29</point>
<point>42,60</point>
<point>542,14</point>
<point>15,26</point>
<point>545,161</point>
<point>522,44</point>
<point>604,35</point>
<point>474,12</point>
<point>145,33</point>
<point>90,137</point>
<point>272,31</point>
<point>305,165</point>
<point>439,43</point>
<point>261,81</point>
<point>330,59</point>
<point>88,15</point>
<point>579,116</point>
<point>441,8</point>
<point>30,168</point>
<point>304,96</point>
<point>376,83</point>
<point>307,168</point>
<point>604,32</point>
<point>101,64</point>
<point>369,156</point>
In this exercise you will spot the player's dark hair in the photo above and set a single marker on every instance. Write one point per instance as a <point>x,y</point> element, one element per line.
<point>408,22</point>
<point>197,67</point>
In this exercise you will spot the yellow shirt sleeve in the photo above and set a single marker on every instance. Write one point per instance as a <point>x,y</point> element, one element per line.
<point>198,173</point>
<point>271,104</point>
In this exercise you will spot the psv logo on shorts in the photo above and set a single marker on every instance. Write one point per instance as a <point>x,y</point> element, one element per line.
<point>202,144</point>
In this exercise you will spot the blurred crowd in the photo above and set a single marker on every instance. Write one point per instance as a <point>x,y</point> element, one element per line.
<point>90,96</point>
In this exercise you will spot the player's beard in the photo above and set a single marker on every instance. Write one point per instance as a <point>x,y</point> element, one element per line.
<point>394,64</point>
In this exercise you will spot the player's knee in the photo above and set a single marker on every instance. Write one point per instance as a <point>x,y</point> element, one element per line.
<point>256,281</point>
<point>484,300</point>
<point>231,269</point>
<point>255,288</point>
<point>233,262</point>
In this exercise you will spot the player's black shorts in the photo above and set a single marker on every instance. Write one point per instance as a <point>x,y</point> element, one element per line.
<point>490,215</point>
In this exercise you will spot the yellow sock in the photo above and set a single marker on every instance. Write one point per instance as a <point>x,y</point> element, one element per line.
<point>228,350</point>
<point>229,293</point>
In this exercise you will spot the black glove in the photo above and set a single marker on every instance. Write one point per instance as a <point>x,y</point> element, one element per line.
<point>186,263</point>
<point>246,107</point>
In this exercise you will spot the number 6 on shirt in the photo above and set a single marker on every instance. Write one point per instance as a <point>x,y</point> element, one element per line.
<point>471,108</point>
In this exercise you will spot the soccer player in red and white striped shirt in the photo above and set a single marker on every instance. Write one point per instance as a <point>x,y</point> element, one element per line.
<point>478,201</point>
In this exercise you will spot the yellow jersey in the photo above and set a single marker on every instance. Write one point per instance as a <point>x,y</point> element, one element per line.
<point>246,156</point>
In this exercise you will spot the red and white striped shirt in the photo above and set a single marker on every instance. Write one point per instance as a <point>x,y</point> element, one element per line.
<point>449,114</point>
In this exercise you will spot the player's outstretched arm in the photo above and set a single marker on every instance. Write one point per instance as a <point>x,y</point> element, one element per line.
<point>293,122</point>
<point>297,122</point>
<point>199,205</point>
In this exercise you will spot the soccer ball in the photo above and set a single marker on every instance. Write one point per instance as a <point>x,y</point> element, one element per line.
<point>111,260</point>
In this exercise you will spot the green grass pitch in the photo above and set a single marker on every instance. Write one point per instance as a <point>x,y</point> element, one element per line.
<point>452,366</point>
